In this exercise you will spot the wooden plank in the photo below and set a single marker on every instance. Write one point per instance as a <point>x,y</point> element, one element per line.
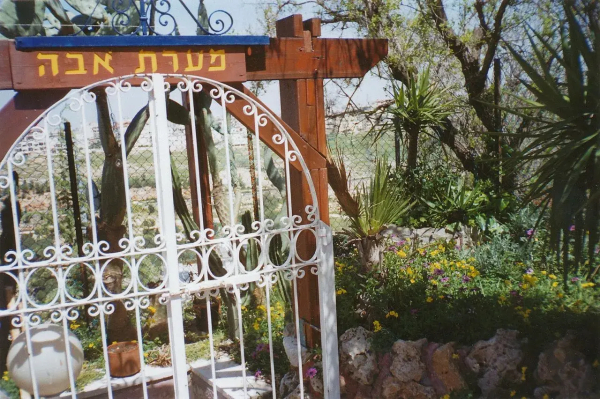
<point>289,26</point>
<point>77,68</point>
<point>313,25</point>
<point>283,58</point>
<point>288,58</point>
<point>5,74</point>
<point>21,111</point>
<point>312,158</point>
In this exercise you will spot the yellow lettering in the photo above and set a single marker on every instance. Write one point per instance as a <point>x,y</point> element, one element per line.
<point>104,62</point>
<point>143,55</point>
<point>53,58</point>
<point>80,67</point>
<point>191,67</point>
<point>172,54</point>
<point>214,55</point>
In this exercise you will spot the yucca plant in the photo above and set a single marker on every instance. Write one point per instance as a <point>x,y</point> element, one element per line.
<point>370,209</point>
<point>564,79</point>
<point>418,105</point>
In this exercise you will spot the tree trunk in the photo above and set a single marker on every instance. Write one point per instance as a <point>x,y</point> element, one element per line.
<point>413,146</point>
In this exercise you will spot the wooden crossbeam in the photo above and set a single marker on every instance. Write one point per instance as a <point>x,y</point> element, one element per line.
<point>284,58</point>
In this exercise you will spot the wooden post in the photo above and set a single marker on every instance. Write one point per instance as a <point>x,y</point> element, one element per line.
<point>303,108</point>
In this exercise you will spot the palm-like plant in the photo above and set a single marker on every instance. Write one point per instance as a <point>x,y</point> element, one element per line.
<point>371,208</point>
<point>565,81</point>
<point>418,105</point>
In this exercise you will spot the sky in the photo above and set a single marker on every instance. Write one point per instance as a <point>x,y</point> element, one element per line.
<point>247,15</point>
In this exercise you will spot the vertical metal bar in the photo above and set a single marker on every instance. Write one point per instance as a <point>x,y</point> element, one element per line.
<point>271,357</point>
<point>329,343</point>
<point>174,306</point>
<point>19,255</point>
<point>212,344</point>
<point>95,254</point>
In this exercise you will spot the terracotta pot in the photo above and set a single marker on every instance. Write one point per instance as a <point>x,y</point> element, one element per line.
<point>124,359</point>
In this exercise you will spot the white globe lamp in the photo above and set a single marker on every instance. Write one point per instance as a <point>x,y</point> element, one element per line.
<point>49,359</point>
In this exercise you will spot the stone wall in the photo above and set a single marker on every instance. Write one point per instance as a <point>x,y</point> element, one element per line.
<point>427,370</point>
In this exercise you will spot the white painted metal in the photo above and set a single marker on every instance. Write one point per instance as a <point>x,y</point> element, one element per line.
<point>168,246</point>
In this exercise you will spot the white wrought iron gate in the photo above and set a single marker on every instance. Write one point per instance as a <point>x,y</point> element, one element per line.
<point>98,240</point>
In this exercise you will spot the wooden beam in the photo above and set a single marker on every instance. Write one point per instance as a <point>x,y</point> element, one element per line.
<point>311,156</point>
<point>5,73</point>
<point>75,68</point>
<point>21,111</point>
<point>303,108</point>
<point>288,58</point>
<point>284,58</point>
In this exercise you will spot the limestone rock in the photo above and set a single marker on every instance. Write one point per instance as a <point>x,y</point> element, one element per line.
<point>288,384</point>
<point>497,359</point>
<point>394,389</point>
<point>564,370</point>
<point>356,359</point>
<point>295,394</point>
<point>446,369</point>
<point>407,365</point>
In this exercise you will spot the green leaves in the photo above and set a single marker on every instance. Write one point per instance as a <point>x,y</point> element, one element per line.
<point>380,204</point>
<point>420,102</point>
<point>565,141</point>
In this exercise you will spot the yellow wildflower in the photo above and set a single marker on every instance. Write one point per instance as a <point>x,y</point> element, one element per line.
<point>422,252</point>
<point>555,284</point>
<point>429,299</point>
<point>455,356</point>
<point>412,280</point>
<point>401,254</point>
<point>545,396</point>
<point>586,285</point>
<point>152,309</point>
<point>435,252</point>
<point>5,376</point>
<point>441,297</point>
<point>261,307</point>
<point>376,326</point>
<point>134,341</point>
<point>523,371</point>
<point>441,247</point>
<point>391,314</point>
<point>544,272</point>
<point>244,308</point>
<point>531,280</point>
<point>145,354</point>
<point>446,396</point>
<point>434,282</point>
<point>256,326</point>
<point>91,345</point>
<point>75,326</point>
<point>409,270</point>
<point>341,291</point>
<point>525,286</point>
<point>552,276</point>
<point>513,393</point>
<point>114,342</point>
<point>507,282</point>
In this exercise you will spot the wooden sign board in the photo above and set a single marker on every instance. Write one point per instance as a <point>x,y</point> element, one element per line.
<point>75,68</point>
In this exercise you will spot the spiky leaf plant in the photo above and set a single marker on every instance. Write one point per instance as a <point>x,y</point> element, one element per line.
<point>564,79</point>
<point>418,105</point>
<point>371,208</point>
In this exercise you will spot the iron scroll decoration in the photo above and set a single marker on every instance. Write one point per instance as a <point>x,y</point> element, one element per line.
<point>143,17</point>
